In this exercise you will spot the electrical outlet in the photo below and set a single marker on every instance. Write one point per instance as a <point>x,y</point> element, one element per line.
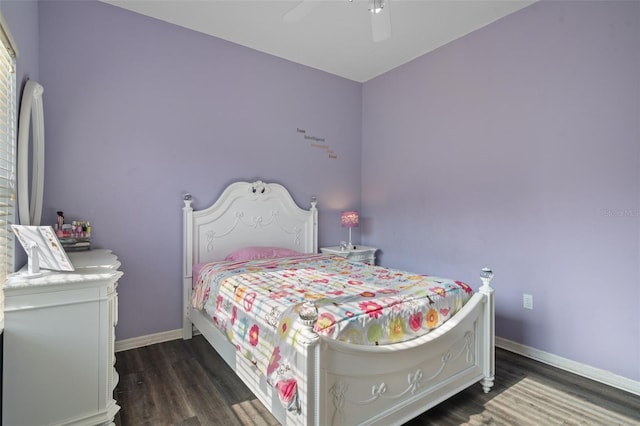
<point>527,301</point>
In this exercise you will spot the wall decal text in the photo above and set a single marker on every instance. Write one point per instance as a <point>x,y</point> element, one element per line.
<point>318,143</point>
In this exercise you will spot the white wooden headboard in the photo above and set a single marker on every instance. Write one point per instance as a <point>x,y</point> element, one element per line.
<point>247,214</point>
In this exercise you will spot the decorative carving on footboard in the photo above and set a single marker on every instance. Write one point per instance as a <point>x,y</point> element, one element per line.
<point>423,377</point>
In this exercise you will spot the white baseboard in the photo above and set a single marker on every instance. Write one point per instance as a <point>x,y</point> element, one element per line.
<point>149,339</point>
<point>574,367</point>
<point>602,376</point>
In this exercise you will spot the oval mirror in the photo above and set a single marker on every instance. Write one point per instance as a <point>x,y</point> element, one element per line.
<point>31,123</point>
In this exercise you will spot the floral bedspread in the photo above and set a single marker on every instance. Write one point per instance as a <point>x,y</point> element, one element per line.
<point>255,303</point>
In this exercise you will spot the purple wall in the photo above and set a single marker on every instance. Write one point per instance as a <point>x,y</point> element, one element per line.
<point>139,112</point>
<point>518,147</point>
<point>22,19</point>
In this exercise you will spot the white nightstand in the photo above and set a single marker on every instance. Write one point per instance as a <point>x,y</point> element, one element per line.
<point>359,254</point>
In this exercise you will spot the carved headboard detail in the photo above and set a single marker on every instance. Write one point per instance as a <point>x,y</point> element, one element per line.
<point>248,214</point>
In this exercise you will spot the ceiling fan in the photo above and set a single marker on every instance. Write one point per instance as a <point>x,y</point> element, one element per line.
<point>379,11</point>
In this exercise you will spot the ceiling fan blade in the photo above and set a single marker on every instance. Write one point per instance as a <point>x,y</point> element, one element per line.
<point>381,23</point>
<point>300,11</point>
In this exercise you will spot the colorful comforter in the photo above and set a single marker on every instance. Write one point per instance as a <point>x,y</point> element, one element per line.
<point>255,303</point>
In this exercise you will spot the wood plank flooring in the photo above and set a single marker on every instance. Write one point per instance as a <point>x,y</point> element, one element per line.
<point>186,383</point>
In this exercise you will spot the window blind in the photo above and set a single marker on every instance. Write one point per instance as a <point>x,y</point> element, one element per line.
<point>7,156</point>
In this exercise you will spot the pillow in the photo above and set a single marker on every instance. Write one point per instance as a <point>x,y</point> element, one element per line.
<point>251,253</point>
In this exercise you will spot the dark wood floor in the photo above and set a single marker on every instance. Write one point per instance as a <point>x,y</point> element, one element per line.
<point>187,383</point>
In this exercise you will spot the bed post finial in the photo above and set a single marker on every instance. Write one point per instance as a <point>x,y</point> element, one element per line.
<point>308,316</point>
<point>187,199</point>
<point>486,275</point>
<point>314,202</point>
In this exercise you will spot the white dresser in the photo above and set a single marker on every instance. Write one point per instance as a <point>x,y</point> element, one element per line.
<point>59,344</point>
<point>359,253</point>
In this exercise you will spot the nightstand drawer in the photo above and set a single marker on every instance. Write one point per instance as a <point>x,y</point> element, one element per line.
<point>359,254</point>
<point>362,257</point>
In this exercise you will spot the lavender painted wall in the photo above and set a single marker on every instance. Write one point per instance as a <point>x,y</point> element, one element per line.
<point>139,112</point>
<point>22,19</point>
<point>518,147</point>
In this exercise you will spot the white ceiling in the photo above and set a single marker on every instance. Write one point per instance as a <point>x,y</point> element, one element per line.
<point>335,36</point>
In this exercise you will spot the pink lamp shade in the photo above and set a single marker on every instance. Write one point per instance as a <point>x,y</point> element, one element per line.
<point>349,219</point>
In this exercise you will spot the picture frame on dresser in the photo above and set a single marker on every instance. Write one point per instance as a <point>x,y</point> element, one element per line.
<point>43,249</point>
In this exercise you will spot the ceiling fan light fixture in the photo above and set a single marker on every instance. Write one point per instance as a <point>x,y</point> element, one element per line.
<point>376,6</point>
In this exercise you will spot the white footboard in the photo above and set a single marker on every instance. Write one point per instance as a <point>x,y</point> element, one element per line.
<point>346,384</point>
<point>394,383</point>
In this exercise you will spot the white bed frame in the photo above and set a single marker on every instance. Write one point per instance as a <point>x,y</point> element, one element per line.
<point>338,383</point>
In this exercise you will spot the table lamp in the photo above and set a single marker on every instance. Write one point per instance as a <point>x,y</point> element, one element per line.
<point>349,220</point>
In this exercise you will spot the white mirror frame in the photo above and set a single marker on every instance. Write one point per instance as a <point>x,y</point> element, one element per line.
<point>31,108</point>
